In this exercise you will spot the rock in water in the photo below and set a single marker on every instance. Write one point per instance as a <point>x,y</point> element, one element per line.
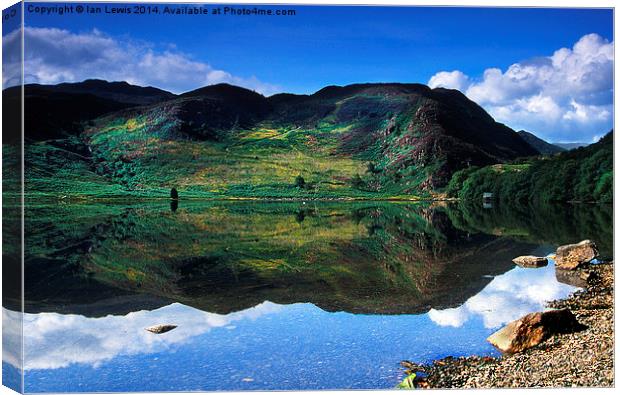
<point>532,329</point>
<point>571,256</point>
<point>530,261</point>
<point>159,329</point>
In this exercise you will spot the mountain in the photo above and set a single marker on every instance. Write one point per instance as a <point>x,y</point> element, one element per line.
<point>207,111</point>
<point>55,111</point>
<point>539,144</point>
<point>570,146</point>
<point>357,141</point>
<point>11,117</point>
<point>405,127</point>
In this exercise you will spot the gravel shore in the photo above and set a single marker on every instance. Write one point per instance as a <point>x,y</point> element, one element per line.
<point>579,359</point>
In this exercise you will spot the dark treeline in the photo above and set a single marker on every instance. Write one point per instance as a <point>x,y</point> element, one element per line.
<point>580,175</point>
<point>553,224</point>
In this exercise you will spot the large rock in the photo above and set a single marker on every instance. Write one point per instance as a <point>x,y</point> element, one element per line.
<point>530,261</point>
<point>532,329</point>
<point>571,256</point>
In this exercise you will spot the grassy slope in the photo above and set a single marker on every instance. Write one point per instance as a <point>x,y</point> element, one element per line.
<point>142,153</point>
<point>262,162</point>
<point>54,170</point>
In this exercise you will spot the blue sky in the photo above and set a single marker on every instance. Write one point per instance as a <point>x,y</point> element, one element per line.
<point>321,46</point>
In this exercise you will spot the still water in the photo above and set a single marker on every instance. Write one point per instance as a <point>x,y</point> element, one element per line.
<point>278,296</point>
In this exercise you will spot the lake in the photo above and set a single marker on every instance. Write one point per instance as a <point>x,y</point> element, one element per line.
<point>276,296</point>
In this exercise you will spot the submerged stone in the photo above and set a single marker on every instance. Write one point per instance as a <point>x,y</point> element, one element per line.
<point>530,261</point>
<point>159,329</point>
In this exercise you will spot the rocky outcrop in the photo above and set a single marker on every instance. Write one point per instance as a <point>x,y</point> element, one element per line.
<point>572,256</point>
<point>530,261</point>
<point>532,329</point>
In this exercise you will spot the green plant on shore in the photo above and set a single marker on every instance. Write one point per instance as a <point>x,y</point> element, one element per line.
<point>408,382</point>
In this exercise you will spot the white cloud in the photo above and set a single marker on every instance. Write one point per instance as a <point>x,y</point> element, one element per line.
<point>584,112</point>
<point>11,59</point>
<point>565,96</point>
<point>56,55</point>
<point>53,341</point>
<point>506,298</point>
<point>449,79</point>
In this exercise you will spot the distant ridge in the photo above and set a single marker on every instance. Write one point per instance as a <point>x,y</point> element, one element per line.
<point>539,144</point>
<point>570,146</point>
<point>119,91</point>
<point>54,111</point>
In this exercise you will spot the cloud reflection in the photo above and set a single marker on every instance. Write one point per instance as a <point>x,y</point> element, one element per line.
<point>55,341</point>
<point>506,298</point>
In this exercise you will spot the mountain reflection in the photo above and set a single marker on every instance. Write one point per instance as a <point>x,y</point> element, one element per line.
<point>371,258</point>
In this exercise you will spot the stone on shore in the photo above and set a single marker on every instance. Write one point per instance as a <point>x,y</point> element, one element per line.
<point>571,277</point>
<point>572,256</point>
<point>532,329</point>
<point>159,329</point>
<point>587,275</point>
<point>530,261</point>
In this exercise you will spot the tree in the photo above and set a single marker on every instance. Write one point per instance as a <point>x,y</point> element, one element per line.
<point>457,180</point>
<point>300,182</point>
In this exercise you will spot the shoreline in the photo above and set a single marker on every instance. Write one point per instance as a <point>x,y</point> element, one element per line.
<point>583,359</point>
<point>138,198</point>
<point>231,198</point>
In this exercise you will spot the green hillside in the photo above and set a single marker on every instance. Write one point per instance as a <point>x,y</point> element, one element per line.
<point>581,175</point>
